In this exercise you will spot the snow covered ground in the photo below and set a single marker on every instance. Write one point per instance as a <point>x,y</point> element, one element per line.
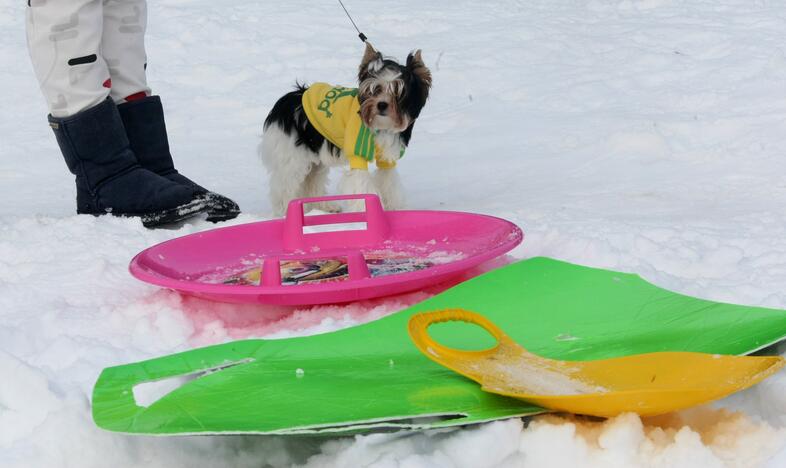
<point>644,136</point>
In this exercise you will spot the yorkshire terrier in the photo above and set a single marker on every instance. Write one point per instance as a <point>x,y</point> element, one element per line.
<point>315,127</point>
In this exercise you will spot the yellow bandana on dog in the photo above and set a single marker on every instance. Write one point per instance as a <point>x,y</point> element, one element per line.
<point>335,112</point>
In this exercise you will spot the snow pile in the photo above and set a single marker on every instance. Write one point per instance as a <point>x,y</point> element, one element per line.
<point>704,438</point>
<point>639,135</point>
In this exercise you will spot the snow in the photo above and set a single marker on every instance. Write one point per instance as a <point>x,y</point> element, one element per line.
<point>531,375</point>
<point>643,136</point>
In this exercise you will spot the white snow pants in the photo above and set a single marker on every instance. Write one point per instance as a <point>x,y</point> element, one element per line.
<point>86,50</point>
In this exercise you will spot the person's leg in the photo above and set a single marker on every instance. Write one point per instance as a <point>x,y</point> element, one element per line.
<point>125,22</point>
<point>123,48</point>
<point>65,46</point>
<point>64,39</point>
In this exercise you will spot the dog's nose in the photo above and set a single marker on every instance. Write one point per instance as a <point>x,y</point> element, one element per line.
<point>382,106</point>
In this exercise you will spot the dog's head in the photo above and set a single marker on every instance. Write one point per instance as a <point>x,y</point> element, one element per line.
<point>391,95</point>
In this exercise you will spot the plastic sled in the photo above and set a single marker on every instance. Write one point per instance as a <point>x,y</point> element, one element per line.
<point>279,262</point>
<point>647,384</point>
<point>372,377</point>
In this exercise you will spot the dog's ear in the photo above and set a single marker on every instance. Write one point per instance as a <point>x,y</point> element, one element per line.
<point>421,72</point>
<point>370,55</point>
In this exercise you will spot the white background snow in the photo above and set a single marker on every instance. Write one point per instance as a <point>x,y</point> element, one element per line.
<point>644,136</point>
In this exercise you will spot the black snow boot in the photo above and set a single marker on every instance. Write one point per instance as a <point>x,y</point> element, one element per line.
<point>143,120</point>
<point>109,179</point>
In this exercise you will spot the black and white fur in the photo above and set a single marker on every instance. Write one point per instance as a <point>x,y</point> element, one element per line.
<point>298,157</point>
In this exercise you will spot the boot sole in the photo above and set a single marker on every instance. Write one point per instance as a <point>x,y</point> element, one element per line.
<point>219,216</point>
<point>171,216</point>
<point>175,215</point>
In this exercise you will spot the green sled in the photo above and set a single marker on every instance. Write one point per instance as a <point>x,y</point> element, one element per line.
<point>373,378</point>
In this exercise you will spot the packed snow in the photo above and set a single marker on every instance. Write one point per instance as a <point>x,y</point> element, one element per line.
<point>528,374</point>
<point>639,135</point>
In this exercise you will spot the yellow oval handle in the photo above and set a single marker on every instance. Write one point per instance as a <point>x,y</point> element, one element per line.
<point>418,331</point>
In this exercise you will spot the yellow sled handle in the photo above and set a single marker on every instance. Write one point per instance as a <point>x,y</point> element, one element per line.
<point>418,331</point>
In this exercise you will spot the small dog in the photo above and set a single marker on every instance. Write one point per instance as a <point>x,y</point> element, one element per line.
<point>313,128</point>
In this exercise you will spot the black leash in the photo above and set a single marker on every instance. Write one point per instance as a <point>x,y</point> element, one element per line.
<point>360,34</point>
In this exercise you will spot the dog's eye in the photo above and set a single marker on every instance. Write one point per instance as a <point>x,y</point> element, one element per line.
<point>398,87</point>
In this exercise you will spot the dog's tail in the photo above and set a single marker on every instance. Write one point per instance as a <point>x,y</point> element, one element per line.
<point>285,107</point>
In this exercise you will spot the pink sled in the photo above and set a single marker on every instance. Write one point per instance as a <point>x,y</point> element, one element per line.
<point>397,252</point>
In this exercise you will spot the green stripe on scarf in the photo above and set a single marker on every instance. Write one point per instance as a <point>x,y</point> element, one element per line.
<point>371,146</point>
<point>359,141</point>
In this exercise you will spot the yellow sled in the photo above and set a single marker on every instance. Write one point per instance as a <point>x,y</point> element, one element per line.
<point>647,384</point>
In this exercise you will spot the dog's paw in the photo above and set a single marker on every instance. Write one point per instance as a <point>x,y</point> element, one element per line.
<point>327,207</point>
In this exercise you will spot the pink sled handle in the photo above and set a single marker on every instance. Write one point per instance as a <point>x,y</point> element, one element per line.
<point>377,226</point>
<point>356,266</point>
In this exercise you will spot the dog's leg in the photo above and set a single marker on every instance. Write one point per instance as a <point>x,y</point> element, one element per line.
<point>390,189</point>
<point>287,165</point>
<point>354,182</point>
<point>315,185</point>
